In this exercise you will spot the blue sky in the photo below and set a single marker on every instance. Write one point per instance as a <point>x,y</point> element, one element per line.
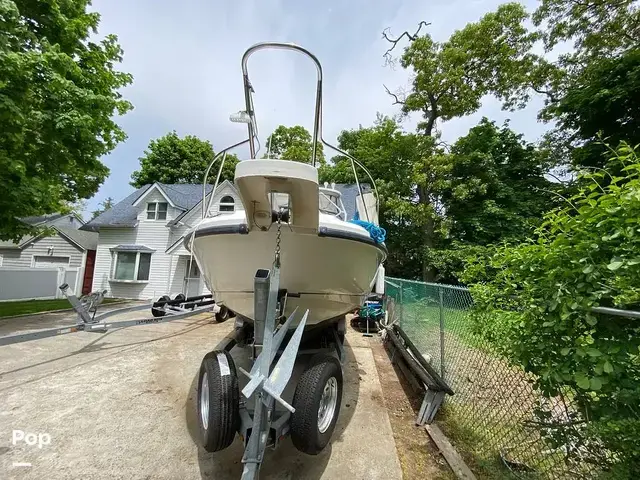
<point>185,60</point>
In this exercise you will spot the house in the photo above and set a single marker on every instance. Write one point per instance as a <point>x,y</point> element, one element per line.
<point>60,244</point>
<point>141,253</point>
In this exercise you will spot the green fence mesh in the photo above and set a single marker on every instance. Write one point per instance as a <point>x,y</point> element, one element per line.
<point>496,418</point>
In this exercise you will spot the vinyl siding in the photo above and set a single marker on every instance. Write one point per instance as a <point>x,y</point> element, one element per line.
<point>40,247</point>
<point>193,217</point>
<point>153,234</point>
<point>167,272</point>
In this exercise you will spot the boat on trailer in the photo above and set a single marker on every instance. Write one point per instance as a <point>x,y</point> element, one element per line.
<point>321,266</point>
<point>329,264</point>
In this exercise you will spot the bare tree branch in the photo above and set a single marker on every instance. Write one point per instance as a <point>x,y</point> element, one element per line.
<point>385,34</point>
<point>396,99</point>
<point>552,98</point>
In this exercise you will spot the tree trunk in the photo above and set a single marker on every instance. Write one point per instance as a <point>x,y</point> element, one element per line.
<point>428,272</point>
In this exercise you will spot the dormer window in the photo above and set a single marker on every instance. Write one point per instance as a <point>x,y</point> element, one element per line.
<point>227,204</point>
<point>156,211</point>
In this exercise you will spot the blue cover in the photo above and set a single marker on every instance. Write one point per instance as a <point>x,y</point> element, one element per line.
<point>377,233</point>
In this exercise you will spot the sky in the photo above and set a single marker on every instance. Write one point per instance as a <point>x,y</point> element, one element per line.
<point>185,61</point>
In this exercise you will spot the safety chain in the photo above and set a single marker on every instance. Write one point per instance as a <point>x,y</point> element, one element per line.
<point>278,237</point>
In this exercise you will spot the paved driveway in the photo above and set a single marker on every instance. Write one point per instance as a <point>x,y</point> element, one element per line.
<point>122,405</point>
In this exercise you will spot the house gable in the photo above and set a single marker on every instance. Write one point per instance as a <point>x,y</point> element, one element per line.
<point>154,188</point>
<point>41,246</point>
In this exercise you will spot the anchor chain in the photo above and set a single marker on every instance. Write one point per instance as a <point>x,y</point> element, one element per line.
<point>278,238</point>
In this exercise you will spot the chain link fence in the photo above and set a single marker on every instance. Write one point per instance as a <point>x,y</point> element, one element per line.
<point>498,421</point>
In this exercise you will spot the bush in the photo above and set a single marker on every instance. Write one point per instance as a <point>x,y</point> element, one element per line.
<point>535,307</point>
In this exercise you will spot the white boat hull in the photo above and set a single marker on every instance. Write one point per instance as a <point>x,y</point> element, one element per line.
<point>331,275</point>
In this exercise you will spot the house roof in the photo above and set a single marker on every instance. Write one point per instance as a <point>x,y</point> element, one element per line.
<point>85,240</point>
<point>132,248</point>
<point>349,192</point>
<point>82,239</point>
<point>187,197</point>
<point>125,214</point>
<point>176,220</point>
<point>50,217</point>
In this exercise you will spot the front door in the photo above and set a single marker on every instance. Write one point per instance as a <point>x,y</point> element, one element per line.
<point>192,279</point>
<point>88,272</point>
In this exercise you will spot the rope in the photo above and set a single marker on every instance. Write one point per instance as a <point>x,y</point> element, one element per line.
<point>377,233</point>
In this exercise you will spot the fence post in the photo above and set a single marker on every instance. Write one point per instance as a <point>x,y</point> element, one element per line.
<point>401,316</point>
<point>441,302</point>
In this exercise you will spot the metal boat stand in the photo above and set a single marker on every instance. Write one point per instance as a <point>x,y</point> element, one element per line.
<point>265,426</point>
<point>88,321</point>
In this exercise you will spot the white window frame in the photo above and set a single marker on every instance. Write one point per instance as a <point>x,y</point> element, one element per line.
<point>156,211</point>
<point>135,268</point>
<point>231,204</point>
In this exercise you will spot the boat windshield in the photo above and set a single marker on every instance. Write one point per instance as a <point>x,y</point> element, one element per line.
<point>331,203</point>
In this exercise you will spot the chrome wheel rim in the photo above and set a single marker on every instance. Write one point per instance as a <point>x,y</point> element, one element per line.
<point>328,403</point>
<point>204,401</point>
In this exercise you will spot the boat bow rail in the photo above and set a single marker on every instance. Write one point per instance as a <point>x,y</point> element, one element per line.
<point>248,116</point>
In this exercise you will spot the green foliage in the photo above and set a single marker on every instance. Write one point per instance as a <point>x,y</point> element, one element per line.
<point>535,306</point>
<point>293,143</point>
<point>171,159</point>
<point>491,56</point>
<point>597,27</point>
<point>602,100</point>
<point>492,185</point>
<point>58,96</point>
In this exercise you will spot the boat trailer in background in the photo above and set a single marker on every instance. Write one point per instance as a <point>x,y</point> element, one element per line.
<point>163,311</point>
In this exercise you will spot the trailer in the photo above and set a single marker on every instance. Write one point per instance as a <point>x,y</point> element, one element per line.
<point>162,311</point>
<point>292,388</point>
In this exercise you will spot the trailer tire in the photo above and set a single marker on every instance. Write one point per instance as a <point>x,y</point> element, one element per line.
<point>218,401</point>
<point>222,315</point>
<point>158,312</point>
<point>180,297</point>
<point>319,387</point>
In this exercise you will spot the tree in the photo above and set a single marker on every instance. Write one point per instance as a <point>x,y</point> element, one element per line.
<point>489,188</point>
<point>390,154</point>
<point>103,207</point>
<point>598,94</point>
<point>597,27</point>
<point>293,143</point>
<point>59,92</point>
<point>491,56</point>
<point>602,101</point>
<point>171,159</point>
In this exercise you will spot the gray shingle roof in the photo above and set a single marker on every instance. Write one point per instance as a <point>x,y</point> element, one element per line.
<point>124,214</point>
<point>132,248</point>
<point>187,196</point>
<point>87,240</point>
<point>349,192</point>
<point>42,218</point>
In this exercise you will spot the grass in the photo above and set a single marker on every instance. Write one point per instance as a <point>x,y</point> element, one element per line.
<point>9,309</point>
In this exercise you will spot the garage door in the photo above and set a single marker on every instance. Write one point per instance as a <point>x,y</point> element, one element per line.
<point>48,262</point>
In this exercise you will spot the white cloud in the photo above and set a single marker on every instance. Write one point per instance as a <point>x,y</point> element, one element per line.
<point>185,60</point>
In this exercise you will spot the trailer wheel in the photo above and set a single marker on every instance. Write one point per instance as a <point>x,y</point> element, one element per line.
<point>180,297</point>
<point>218,401</point>
<point>159,312</point>
<point>222,315</point>
<point>317,402</point>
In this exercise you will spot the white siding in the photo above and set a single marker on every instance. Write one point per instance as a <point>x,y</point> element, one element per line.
<point>55,245</point>
<point>167,272</point>
<point>192,218</point>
